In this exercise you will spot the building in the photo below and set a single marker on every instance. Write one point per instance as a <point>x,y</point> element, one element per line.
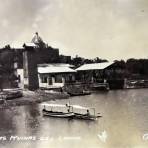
<point>52,76</point>
<point>31,58</point>
<point>95,72</point>
<point>101,74</point>
<point>16,57</point>
<point>64,59</point>
<point>34,54</point>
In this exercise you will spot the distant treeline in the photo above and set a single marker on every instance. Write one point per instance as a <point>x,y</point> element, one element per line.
<point>7,76</point>
<point>78,61</point>
<point>135,68</point>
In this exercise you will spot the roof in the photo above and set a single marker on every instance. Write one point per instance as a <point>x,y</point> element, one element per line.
<point>61,105</point>
<point>30,44</point>
<point>56,64</point>
<point>79,107</point>
<point>53,105</point>
<point>55,69</point>
<point>94,66</point>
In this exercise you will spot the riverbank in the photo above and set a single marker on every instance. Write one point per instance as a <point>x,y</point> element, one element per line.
<point>33,97</point>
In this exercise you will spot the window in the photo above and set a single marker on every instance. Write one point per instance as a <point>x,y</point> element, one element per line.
<point>49,80</point>
<point>58,79</point>
<point>44,79</point>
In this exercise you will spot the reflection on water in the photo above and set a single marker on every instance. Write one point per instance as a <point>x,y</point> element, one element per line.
<point>124,122</point>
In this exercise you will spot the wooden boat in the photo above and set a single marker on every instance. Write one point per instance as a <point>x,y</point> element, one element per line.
<point>83,93</point>
<point>52,112</point>
<point>87,115</point>
<point>9,94</point>
<point>57,114</point>
<point>99,86</point>
<point>71,111</point>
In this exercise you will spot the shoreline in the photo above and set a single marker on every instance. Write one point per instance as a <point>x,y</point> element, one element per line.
<point>35,97</point>
<point>31,97</point>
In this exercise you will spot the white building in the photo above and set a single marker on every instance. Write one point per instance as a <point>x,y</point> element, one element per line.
<point>55,75</point>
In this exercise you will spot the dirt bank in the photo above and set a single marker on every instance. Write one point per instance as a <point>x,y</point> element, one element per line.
<point>31,97</point>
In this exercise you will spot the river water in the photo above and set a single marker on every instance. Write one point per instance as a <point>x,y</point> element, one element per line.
<point>124,123</point>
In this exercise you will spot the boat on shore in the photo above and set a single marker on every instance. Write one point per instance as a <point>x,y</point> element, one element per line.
<point>70,111</point>
<point>8,94</point>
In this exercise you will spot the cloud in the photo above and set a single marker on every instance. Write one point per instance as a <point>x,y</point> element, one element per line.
<point>4,23</point>
<point>112,29</point>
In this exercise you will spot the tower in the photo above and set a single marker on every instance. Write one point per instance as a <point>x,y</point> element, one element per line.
<point>30,67</point>
<point>36,52</point>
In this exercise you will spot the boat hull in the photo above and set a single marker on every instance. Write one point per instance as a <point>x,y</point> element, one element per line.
<point>79,94</point>
<point>85,117</point>
<point>58,114</point>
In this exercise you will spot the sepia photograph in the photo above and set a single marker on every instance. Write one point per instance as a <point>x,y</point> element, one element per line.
<point>73,74</point>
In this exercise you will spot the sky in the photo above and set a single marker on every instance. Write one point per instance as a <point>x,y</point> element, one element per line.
<point>109,29</point>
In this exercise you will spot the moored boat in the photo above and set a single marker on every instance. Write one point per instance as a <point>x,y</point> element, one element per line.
<point>52,111</point>
<point>8,94</point>
<point>84,113</point>
<point>83,93</point>
<point>70,111</point>
<point>86,116</point>
<point>57,114</point>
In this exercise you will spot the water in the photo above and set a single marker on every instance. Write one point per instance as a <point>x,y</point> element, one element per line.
<point>124,122</point>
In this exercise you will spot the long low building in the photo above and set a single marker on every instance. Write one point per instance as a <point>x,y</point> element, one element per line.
<point>107,73</point>
<point>55,75</point>
<point>94,72</point>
